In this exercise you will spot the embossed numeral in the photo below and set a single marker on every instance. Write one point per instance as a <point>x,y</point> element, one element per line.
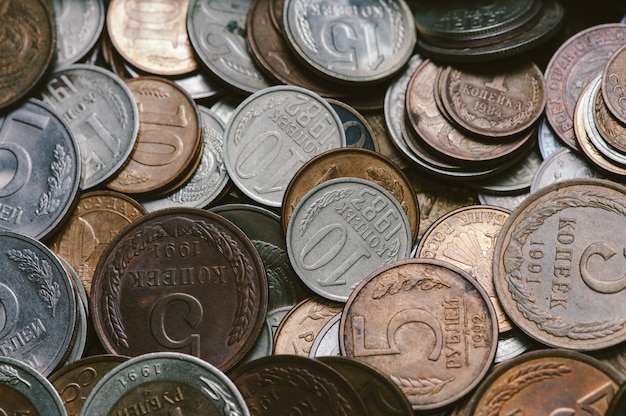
<point>192,317</point>
<point>152,20</point>
<point>349,41</point>
<point>72,391</point>
<point>610,285</point>
<point>9,310</point>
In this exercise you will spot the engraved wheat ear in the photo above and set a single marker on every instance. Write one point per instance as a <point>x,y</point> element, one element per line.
<point>10,375</point>
<point>217,393</point>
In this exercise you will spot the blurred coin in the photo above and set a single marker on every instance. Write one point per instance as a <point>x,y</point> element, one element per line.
<point>561,165</point>
<point>513,344</point>
<point>614,83</point>
<point>548,142</point>
<point>275,317</point>
<point>505,201</point>
<point>225,107</point>
<point>326,343</point>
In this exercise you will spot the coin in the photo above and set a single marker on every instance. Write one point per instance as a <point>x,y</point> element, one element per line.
<point>79,25</point>
<point>611,130</point>
<point>548,143</point>
<point>184,280</point>
<point>426,325</point>
<point>613,82</point>
<point>554,267</point>
<point>326,342</point>
<point>516,179</point>
<point>561,165</point>
<point>359,134</point>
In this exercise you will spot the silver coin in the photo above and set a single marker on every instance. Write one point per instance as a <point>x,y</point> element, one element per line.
<point>561,165</point>
<point>342,230</point>
<point>26,392</point>
<point>102,114</point>
<point>40,170</point>
<point>272,134</point>
<point>210,178</point>
<point>172,383</point>
<point>262,348</point>
<point>226,106</point>
<point>37,304</point>
<point>364,41</point>
<point>509,202</point>
<point>275,317</point>
<point>516,179</point>
<point>513,345</point>
<point>82,317</point>
<point>548,142</point>
<point>79,24</point>
<point>217,34</point>
<point>326,342</point>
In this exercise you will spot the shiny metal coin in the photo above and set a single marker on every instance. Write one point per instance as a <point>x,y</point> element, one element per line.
<point>79,25</point>
<point>561,165</point>
<point>548,142</point>
<point>326,343</point>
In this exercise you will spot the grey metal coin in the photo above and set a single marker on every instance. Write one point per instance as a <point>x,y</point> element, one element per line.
<point>79,342</point>
<point>516,343</point>
<point>226,106</point>
<point>548,142</point>
<point>217,34</point>
<point>516,179</point>
<point>275,317</point>
<point>264,229</point>
<point>262,348</point>
<point>357,129</point>
<point>342,230</point>
<point>326,342</point>
<point>509,202</point>
<point>172,383</point>
<point>79,24</point>
<point>39,170</point>
<point>561,165</point>
<point>210,178</point>
<point>362,42</point>
<point>102,114</point>
<point>272,134</point>
<point>37,304</point>
<point>23,391</point>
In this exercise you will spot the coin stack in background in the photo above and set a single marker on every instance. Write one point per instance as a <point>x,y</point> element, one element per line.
<point>312,207</point>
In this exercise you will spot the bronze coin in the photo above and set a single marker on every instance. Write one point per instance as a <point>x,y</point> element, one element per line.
<point>294,385</point>
<point>555,269</point>
<point>426,325</point>
<point>614,83</point>
<point>27,47</point>
<point>546,382</point>
<point>610,128</point>
<point>357,163</point>
<point>181,280</point>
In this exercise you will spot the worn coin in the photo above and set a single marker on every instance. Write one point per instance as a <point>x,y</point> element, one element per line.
<point>505,201</point>
<point>555,269</point>
<point>561,165</point>
<point>326,342</point>
<point>611,129</point>
<point>184,280</point>
<point>516,179</point>
<point>513,344</point>
<point>613,83</point>
<point>426,325</point>
<point>548,142</point>
<point>79,24</point>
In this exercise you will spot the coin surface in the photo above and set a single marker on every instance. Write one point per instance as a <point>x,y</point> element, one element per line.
<point>610,128</point>
<point>426,325</point>
<point>79,25</point>
<point>326,343</point>
<point>561,165</point>
<point>554,266</point>
<point>184,280</point>
<point>613,83</point>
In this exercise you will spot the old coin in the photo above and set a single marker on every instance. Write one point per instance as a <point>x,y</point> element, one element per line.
<point>274,132</point>
<point>561,165</point>
<point>618,403</point>
<point>169,142</point>
<point>40,170</point>
<point>37,304</point>
<point>611,129</point>
<point>516,179</point>
<point>511,345</point>
<point>613,83</point>
<point>426,325</point>
<point>23,391</point>
<point>290,384</point>
<point>152,36</point>
<point>96,220</point>
<point>466,237</point>
<point>263,346</point>
<point>505,201</point>
<point>357,163</point>
<point>27,47</point>
<point>554,266</point>
<point>546,382</point>
<point>548,142</point>
<point>359,134</point>
<point>167,382</point>
<point>184,280</point>
<point>102,114</point>
<point>326,342</point>
<point>79,24</point>
<point>343,229</point>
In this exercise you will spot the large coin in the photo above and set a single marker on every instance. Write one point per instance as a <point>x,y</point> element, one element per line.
<point>183,280</point>
<point>555,268</point>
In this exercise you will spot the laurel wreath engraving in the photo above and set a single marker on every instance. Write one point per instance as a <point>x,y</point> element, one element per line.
<point>404,282</point>
<point>302,23</point>
<point>10,376</point>
<point>317,311</point>
<point>216,392</point>
<point>383,178</point>
<point>58,181</point>
<point>40,273</point>
<point>513,259</point>
<point>151,91</point>
<point>419,386</point>
<point>109,94</point>
<point>523,378</point>
<point>252,113</point>
<point>396,22</point>
<point>319,204</point>
<point>131,176</point>
<point>236,67</point>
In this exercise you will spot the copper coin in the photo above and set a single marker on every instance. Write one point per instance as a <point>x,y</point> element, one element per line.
<point>292,385</point>
<point>97,218</point>
<point>466,238</point>
<point>610,128</point>
<point>494,103</point>
<point>618,403</point>
<point>555,269</point>
<point>426,325</point>
<point>614,84</point>
<point>357,163</point>
<point>182,280</point>
<point>27,47</point>
<point>169,142</point>
<point>571,68</point>
<point>546,382</point>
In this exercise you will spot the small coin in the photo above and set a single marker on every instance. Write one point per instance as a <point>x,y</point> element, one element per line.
<point>512,345</point>
<point>359,134</point>
<point>613,84</point>
<point>326,343</point>
<point>561,165</point>
<point>79,24</point>
<point>611,130</point>
<point>505,201</point>
<point>548,142</point>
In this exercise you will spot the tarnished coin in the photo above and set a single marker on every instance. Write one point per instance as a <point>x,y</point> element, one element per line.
<point>75,381</point>
<point>555,269</point>
<point>27,46</point>
<point>102,114</point>
<point>494,103</point>
<point>169,142</point>
<point>572,67</point>
<point>37,304</point>
<point>290,384</point>
<point>356,163</point>
<point>217,31</point>
<point>184,280</point>
<point>516,179</point>
<point>506,201</point>
<point>152,36</point>
<point>97,218</point>
<point>167,383</point>
<point>548,142</point>
<point>23,391</point>
<point>614,84</point>
<point>79,25</point>
<point>466,237</point>
<point>39,170</point>
<point>610,128</point>
<point>546,382</point>
<point>365,42</point>
<point>343,229</point>
<point>272,134</point>
<point>561,165</point>
<point>426,325</point>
